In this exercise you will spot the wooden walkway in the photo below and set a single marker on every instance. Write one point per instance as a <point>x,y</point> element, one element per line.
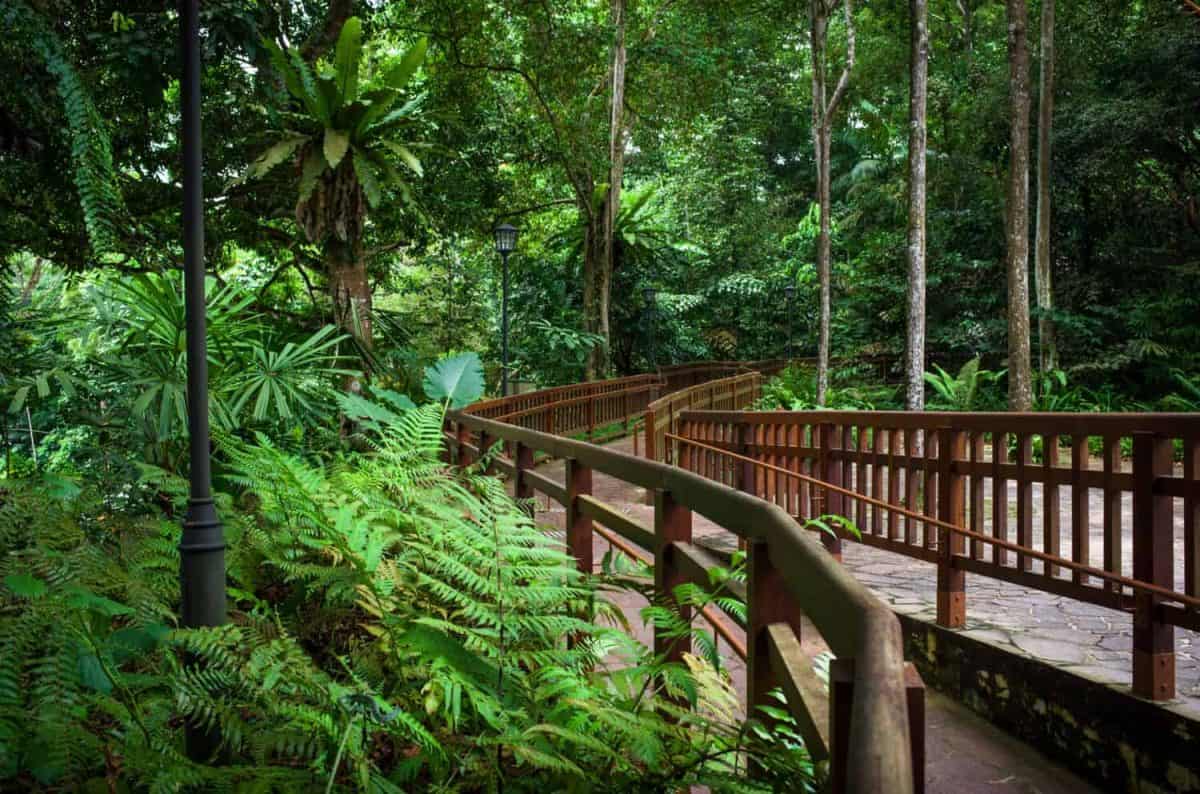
<point>964,752</point>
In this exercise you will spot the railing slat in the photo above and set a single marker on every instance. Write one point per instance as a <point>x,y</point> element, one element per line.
<point>1081,535</point>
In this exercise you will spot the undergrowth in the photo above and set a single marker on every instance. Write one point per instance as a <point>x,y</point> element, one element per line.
<point>396,624</point>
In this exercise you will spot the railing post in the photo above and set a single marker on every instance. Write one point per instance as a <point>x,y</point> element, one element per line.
<point>767,602</point>
<point>830,471</point>
<point>841,700</point>
<point>485,443</point>
<point>579,526</point>
<point>746,468</point>
<point>462,435</point>
<point>1153,531</point>
<point>952,491</point>
<point>672,522</point>
<point>523,460</point>
<point>590,414</point>
<point>651,442</point>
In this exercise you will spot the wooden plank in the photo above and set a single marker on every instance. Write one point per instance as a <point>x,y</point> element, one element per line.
<point>1112,507</point>
<point>860,480</point>
<point>1153,561</point>
<point>911,484</point>
<point>893,492</point>
<point>951,582</point>
<point>1024,499</point>
<point>807,698</point>
<point>672,523</point>
<point>977,490</point>
<point>579,526</point>
<point>1191,516</point>
<point>1081,535</point>
<point>877,480</point>
<point>929,504</point>
<point>625,526</point>
<point>1051,522</point>
<point>999,496</point>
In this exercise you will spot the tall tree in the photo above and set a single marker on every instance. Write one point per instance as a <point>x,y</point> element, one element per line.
<point>344,144</point>
<point>1042,263</point>
<point>600,250</point>
<point>823,111</point>
<point>1016,231</point>
<point>917,94</point>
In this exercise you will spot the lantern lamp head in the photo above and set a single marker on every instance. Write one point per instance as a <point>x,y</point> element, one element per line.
<point>506,238</point>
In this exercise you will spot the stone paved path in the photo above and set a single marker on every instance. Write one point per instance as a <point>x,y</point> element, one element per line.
<point>965,753</point>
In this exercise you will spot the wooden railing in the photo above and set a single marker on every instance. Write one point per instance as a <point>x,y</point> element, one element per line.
<point>582,407</point>
<point>871,728</point>
<point>936,487</point>
<point>735,392</point>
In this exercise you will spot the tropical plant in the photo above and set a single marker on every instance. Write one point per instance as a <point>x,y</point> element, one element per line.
<point>345,138</point>
<point>643,227</point>
<point>396,624</point>
<point>960,392</point>
<point>258,375</point>
<point>91,146</point>
<point>1188,396</point>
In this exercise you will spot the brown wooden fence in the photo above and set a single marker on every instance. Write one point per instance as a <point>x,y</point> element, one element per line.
<point>1009,496</point>
<point>871,728</point>
<point>735,392</point>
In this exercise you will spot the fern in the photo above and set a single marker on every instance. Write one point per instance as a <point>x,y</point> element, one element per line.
<point>91,147</point>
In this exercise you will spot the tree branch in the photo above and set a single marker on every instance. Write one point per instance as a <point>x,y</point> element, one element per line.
<point>843,81</point>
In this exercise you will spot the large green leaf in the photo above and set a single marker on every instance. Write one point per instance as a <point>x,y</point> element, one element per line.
<point>24,585</point>
<point>310,171</point>
<point>399,75</point>
<point>274,156</point>
<point>406,155</point>
<point>457,380</point>
<point>336,145</point>
<point>346,59</point>
<point>368,178</point>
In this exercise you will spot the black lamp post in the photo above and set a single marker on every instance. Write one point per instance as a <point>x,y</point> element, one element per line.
<point>506,243</point>
<point>202,547</point>
<point>789,293</point>
<point>648,296</point>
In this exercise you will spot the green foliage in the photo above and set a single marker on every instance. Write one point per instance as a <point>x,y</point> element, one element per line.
<point>395,624</point>
<point>960,392</point>
<point>456,380</point>
<point>345,140</point>
<point>91,147</point>
<point>795,389</point>
<point>1188,396</point>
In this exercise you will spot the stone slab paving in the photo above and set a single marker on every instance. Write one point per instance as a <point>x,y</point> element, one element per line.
<point>964,752</point>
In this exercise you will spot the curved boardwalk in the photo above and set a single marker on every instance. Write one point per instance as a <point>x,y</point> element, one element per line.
<point>965,753</point>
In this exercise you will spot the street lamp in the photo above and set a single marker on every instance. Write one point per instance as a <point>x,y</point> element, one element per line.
<point>789,293</point>
<point>649,297</point>
<point>202,546</point>
<point>506,242</point>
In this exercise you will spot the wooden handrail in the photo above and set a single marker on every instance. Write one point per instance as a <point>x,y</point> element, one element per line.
<point>921,479</point>
<point>852,621</point>
<point>1132,584</point>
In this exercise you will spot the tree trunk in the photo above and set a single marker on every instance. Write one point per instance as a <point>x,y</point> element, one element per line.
<point>597,283</point>
<point>605,257</point>
<point>1020,386</point>
<point>821,141</point>
<point>822,113</point>
<point>351,293</point>
<point>918,90</point>
<point>964,6</point>
<point>1042,263</point>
